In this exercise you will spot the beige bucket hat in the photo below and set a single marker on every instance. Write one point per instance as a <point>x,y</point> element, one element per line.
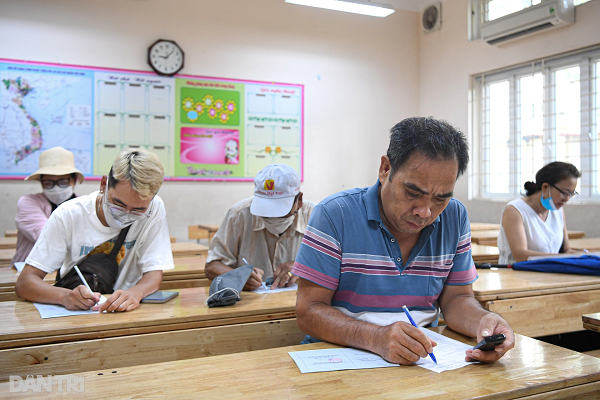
<point>56,161</point>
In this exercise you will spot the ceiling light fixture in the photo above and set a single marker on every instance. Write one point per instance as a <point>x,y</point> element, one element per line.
<point>356,7</point>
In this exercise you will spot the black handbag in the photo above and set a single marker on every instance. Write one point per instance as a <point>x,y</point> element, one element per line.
<point>99,270</point>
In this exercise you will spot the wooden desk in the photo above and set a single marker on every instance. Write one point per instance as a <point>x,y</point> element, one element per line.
<point>5,256</point>
<point>538,303</point>
<point>485,254</point>
<point>188,272</point>
<point>592,322</point>
<point>10,233</point>
<point>202,231</point>
<point>186,249</point>
<point>8,243</point>
<point>180,329</point>
<point>592,244</point>
<point>532,370</point>
<point>173,239</point>
<point>490,237</point>
<point>180,249</point>
<point>484,226</point>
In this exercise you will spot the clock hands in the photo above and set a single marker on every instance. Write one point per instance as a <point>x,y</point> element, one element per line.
<point>168,55</point>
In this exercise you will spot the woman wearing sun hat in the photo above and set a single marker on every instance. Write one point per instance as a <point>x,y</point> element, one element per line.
<point>58,176</point>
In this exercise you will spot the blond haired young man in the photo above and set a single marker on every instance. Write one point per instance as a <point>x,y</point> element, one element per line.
<point>91,224</point>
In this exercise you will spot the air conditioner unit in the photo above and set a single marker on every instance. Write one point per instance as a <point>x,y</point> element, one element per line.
<point>540,17</point>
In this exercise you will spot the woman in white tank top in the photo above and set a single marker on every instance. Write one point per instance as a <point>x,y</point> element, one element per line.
<point>535,224</point>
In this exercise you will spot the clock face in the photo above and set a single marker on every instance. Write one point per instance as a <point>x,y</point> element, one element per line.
<point>165,57</point>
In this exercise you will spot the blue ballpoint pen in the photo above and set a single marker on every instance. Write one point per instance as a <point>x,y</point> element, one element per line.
<point>412,321</point>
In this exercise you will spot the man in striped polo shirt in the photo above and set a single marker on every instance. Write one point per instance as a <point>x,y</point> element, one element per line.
<point>404,241</point>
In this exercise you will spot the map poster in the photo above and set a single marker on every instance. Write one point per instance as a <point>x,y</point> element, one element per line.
<point>201,128</point>
<point>230,129</point>
<point>42,107</point>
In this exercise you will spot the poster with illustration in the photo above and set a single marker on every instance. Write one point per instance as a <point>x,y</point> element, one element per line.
<point>201,128</point>
<point>230,129</point>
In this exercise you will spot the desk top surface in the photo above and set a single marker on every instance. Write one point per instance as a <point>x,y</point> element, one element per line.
<point>503,282</point>
<point>6,255</point>
<point>489,234</point>
<point>209,227</point>
<point>593,319</point>
<point>21,320</point>
<point>8,242</point>
<point>532,367</point>
<point>480,250</point>
<point>585,243</point>
<point>483,226</point>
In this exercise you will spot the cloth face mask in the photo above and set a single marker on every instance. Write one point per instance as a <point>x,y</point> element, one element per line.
<point>57,194</point>
<point>278,225</point>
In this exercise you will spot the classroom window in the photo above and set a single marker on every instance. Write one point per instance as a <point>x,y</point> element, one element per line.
<point>529,115</point>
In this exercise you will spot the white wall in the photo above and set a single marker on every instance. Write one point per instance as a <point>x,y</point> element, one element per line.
<point>447,60</point>
<point>368,68</point>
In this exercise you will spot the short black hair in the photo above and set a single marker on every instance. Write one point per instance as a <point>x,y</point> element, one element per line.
<point>436,139</point>
<point>551,173</point>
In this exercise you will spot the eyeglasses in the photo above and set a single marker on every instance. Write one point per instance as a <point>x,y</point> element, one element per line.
<point>119,211</point>
<point>565,193</point>
<point>62,183</point>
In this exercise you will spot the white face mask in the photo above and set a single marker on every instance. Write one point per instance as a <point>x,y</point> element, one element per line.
<point>113,220</point>
<point>278,225</point>
<point>57,194</point>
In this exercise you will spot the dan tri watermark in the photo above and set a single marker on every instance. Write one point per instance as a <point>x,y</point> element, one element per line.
<point>49,383</point>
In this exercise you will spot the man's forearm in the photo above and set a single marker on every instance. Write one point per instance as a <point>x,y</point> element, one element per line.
<point>463,313</point>
<point>32,287</point>
<point>148,284</point>
<point>216,268</point>
<point>324,322</point>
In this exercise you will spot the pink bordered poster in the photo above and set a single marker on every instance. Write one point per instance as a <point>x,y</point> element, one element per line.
<point>202,128</point>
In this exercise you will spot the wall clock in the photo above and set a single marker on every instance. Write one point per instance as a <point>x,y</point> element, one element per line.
<point>165,57</point>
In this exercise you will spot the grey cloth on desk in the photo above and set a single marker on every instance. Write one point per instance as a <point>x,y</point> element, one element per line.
<point>225,289</point>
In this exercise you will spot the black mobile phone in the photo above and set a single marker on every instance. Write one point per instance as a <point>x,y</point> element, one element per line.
<point>160,297</point>
<point>269,281</point>
<point>490,342</point>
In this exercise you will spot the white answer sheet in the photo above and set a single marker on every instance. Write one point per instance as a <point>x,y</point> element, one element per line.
<point>450,354</point>
<point>55,311</point>
<point>266,289</point>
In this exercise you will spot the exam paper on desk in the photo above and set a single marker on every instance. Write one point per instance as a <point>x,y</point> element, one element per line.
<point>449,353</point>
<point>56,311</point>
<point>265,289</point>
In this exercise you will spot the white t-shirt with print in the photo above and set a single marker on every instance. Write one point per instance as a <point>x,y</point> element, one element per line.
<point>73,231</point>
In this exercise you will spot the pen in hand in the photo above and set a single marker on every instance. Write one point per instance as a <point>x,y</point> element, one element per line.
<point>84,282</point>
<point>412,321</point>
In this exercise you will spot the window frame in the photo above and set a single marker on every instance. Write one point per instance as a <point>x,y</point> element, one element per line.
<point>588,61</point>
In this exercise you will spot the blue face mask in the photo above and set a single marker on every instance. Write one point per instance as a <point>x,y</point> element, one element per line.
<point>548,203</point>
